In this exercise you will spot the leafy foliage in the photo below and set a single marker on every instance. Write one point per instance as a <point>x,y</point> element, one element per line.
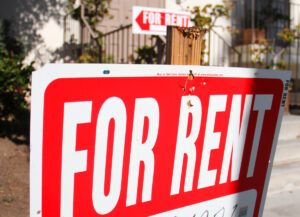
<point>91,55</point>
<point>289,35</point>
<point>90,13</point>
<point>206,18</point>
<point>14,81</point>
<point>146,55</point>
<point>277,57</point>
<point>94,11</point>
<point>87,57</point>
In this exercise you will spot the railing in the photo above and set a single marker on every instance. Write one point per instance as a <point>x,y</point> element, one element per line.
<point>271,16</point>
<point>120,45</point>
<point>220,52</point>
<point>71,29</point>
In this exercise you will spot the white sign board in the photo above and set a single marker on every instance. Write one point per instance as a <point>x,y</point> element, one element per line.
<point>153,140</point>
<point>154,21</point>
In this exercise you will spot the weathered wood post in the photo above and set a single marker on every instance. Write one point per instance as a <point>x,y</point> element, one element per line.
<point>184,45</point>
<point>287,103</point>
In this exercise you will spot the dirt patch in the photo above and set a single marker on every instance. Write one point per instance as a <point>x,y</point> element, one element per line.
<point>14,179</point>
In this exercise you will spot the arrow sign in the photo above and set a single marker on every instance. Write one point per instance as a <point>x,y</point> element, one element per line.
<point>139,21</point>
<point>154,21</point>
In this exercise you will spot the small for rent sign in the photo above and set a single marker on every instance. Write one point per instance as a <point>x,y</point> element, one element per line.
<point>154,21</point>
<point>161,141</point>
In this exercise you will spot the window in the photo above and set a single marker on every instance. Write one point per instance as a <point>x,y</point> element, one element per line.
<point>270,16</point>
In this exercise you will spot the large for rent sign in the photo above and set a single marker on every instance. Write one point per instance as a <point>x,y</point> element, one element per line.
<point>153,140</point>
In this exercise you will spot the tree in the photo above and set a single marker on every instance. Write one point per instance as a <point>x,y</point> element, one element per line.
<point>14,84</point>
<point>207,16</point>
<point>90,13</point>
<point>265,48</point>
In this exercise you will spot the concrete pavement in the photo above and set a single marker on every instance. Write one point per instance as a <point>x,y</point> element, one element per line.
<point>284,204</point>
<point>290,127</point>
<point>283,197</point>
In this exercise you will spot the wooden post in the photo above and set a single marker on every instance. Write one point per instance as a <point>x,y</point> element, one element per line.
<point>184,45</point>
<point>287,103</point>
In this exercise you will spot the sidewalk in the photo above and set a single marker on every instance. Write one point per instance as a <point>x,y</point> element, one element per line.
<point>283,197</point>
<point>287,151</point>
<point>290,127</point>
<point>286,168</point>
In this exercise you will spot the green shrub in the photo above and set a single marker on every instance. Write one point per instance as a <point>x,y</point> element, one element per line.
<point>146,55</point>
<point>14,84</point>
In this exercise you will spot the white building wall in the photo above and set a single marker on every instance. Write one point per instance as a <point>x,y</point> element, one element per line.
<point>38,24</point>
<point>71,27</point>
<point>121,11</point>
<point>295,12</point>
<point>51,39</point>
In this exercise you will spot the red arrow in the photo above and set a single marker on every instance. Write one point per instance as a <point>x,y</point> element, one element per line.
<point>139,20</point>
